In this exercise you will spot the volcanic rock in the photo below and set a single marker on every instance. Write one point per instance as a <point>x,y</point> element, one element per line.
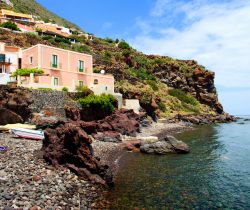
<point>169,145</point>
<point>9,117</point>
<point>70,146</point>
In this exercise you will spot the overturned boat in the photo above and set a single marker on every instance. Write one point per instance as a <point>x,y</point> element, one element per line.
<point>28,133</point>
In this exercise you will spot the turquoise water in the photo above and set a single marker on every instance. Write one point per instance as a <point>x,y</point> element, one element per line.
<point>215,175</point>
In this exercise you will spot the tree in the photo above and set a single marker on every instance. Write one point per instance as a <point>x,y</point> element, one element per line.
<point>10,25</point>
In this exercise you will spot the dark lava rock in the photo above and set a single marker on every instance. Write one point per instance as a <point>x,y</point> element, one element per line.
<point>169,145</point>
<point>125,122</point>
<point>72,113</point>
<point>9,117</point>
<point>70,146</point>
<point>16,99</point>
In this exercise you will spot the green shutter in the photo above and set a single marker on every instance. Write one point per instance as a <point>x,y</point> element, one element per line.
<point>54,61</point>
<point>81,66</point>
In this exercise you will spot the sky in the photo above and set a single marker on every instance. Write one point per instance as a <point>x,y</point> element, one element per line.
<point>216,33</point>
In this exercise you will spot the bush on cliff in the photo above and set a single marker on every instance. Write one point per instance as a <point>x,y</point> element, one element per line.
<point>10,25</point>
<point>184,97</point>
<point>124,45</point>
<point>95,107</point>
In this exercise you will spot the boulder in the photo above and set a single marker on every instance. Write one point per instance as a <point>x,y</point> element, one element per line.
<point>16,99</point>
<point>168,145</point>
<point>69,146</point>
<point>9,117</point>
<point>108,136</point>
<point>72,113</point>
<point>126,122</point>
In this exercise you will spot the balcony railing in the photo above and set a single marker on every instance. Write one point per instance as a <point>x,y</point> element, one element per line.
<point>4,60</point>
<point>56,65</point>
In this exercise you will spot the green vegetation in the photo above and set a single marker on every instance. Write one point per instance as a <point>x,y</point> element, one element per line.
<point>124,45</point>
<point>184,97</point>
<point>103,103</point>
<point>83,91</point>
<point>45,89</point>
<point>62,40</point>
<point>10,25</point>
<point>27,72</point>
<point>141,74</point>
<point>65,89</point>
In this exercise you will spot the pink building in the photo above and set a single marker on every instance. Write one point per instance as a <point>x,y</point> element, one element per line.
<point>63,68</point>
<point>10,60</point>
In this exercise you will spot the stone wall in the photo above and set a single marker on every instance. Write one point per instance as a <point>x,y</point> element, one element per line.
<point>51,101</point>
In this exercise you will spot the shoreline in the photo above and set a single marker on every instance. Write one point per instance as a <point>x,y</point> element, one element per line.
<point>78,193</point>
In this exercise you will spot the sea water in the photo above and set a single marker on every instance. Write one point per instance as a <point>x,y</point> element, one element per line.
<point>214,175</point>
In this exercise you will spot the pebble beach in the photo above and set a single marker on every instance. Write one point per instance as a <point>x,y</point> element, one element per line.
<point>27,182</point>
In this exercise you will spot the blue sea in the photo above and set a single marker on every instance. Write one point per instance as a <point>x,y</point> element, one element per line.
<point>214,175</point>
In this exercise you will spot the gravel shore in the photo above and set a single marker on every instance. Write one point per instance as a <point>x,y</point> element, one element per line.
<point>26,181</point>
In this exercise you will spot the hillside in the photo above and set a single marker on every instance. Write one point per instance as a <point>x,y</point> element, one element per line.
<point>36,9</point>
<point>164,86</point>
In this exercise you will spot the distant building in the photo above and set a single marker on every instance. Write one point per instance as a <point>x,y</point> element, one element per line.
<point>8,15</point>
<point>52,29</point>
<point>10,60</point>
<point>64,68</point>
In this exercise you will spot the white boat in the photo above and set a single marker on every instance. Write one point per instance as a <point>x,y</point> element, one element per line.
<point>28,134</point>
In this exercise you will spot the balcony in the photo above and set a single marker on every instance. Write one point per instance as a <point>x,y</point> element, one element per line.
<point>4,60</point>
<point>56,65</point>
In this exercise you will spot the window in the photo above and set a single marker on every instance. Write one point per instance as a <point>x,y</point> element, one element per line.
<point>106,88</point>
<point>81,66</point>
<point>54,61</point>
<point>31,60</point>
<point>96,81</point>
<point>56,81</point>
<point>81,83</point>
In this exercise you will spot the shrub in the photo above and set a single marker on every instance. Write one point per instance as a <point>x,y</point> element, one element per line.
<point>142,74</point>
<point>65,89</point>
<point>47,37</point>
<point>81,48</point>
<point>59,39</point>
<point>153,85</point>
<point>101,105</point>
<point>10,25</point>
<point>27,72</point>
<point>45,89</point>
<point>126,53</point>
<point>162,106</point>
<point>109,40</point>
<point>183,97</point>
<point>124,45</point>
<point>83,91</point>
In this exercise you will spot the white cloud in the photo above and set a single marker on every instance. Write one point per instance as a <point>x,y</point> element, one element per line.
<point>216,34</point>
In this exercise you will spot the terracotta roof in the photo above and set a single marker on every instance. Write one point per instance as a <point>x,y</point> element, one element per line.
<point>51,29</point>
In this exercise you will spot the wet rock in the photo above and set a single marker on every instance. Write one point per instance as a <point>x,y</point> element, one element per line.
<point>169,145</point>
